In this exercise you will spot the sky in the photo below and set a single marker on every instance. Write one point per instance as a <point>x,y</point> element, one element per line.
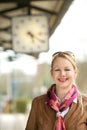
<point>70,35</point>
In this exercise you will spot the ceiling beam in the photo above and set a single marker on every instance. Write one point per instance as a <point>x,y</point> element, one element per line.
<point>17,1</point>
<point>44,10</point>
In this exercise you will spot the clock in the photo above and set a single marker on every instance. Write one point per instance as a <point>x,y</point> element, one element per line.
<point>30,34</point>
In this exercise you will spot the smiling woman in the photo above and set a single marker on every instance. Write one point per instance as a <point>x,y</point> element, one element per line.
<point>62,107</point>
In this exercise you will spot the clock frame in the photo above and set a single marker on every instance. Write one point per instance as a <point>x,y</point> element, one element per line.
<point>30,34</point>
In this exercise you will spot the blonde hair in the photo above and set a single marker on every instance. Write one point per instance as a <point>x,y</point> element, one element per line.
<point>67,55</point>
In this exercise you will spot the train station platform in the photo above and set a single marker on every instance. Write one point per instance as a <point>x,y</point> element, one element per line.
<point>13,121</point>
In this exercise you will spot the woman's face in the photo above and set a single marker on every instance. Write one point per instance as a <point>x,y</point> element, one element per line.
<point>63,72</point>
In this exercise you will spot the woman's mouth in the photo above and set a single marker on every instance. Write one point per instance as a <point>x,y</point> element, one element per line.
<point>62,79</point>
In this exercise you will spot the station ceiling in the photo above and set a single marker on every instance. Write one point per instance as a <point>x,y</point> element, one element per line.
<point>54,9</point>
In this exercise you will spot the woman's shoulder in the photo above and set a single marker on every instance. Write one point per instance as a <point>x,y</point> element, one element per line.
<point>40,98</point>
<point>83,97</point>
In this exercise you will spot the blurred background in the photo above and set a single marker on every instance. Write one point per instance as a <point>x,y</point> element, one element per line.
<point>23,76</point>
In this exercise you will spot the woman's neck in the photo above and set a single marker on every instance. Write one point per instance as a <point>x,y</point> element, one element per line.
<point>60,95</point>
<point>61,92</point>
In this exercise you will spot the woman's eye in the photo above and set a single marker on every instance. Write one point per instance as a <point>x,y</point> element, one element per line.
<point>56,69</point>
<point>67,69</point>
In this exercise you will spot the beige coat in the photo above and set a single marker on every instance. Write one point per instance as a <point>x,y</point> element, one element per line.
<point>42,117</point>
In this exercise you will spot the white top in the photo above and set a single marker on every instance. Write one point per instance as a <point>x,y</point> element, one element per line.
<point>65,111</point>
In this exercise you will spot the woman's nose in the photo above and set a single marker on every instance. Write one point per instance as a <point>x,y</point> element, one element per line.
<point>62,73</point>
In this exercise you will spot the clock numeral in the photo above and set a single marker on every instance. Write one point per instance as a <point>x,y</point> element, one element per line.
<point>22,21</point>
<point>43,41</point>
<point>15,35</point>
<point>23,48</point>
<point>17,27</point>
<point>38,47</point>
<point>43,25</point>
<point>17,42</point>
<point>37,20</point>
<point>31,49</point>
<point>29,18</point>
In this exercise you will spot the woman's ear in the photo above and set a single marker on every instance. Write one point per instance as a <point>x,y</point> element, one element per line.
<point>76,73</point>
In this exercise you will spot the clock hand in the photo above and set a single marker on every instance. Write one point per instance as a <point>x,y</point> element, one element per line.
<point>40,39</point>
<point>29,33</point>
<point>33,36</point>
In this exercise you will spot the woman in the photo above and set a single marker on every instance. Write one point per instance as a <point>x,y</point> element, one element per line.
<point>63,107</point>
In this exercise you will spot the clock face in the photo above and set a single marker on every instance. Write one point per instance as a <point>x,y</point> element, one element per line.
<point>30,34</point>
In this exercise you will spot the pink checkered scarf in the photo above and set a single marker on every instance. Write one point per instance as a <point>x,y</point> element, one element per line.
<point>52,101</point>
